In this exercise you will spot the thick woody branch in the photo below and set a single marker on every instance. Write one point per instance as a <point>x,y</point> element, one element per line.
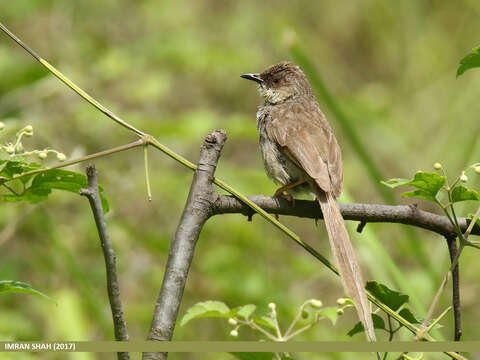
<point>365,213</point>
<point>93,195</point>
<point>197,210</point>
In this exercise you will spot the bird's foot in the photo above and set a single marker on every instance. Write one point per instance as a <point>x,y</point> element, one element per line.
<point>280,193</point>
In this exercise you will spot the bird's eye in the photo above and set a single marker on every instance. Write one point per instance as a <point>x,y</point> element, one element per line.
<point>276,81</point>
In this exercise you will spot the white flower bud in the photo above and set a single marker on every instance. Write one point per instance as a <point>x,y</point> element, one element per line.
<point>316,303</point>
<point>28,128</point>
<point>340,311</point>
<point>42,155</point>
<point>463,177</point>
<point>234,333</point>
<point>341,301</point>
<point>437,166</point>
<point>2,126</point>
<point>477,169</point>
<point>61,157</point>
<point>272,306</point>
<point>232,321</point>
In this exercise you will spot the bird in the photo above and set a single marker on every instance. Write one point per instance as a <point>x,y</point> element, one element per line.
<point>301,153</point>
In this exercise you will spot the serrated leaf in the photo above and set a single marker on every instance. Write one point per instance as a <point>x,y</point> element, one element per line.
<point>378,323</point>
<point>391,298</point>
<point>253,355</point>
<point>461,193</point>
<point>330,313</point>
<point>245,311</point>
<point>206,309</point>
<point>407,315</point>
<point>18,286</point>
<point>470,61</point>
<point>265,321</point>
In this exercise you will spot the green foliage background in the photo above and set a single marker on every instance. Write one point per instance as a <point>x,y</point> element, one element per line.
<point>172,69</point>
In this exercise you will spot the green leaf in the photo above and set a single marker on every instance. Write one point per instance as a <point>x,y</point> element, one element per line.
<point>43,183</point>
<point>461,193</point>
<point>18,286</point>
<point>427,184</point>
<point>407,315</point>
<point>378,323</point>
<point>330,313</point>
<point>358,328</point>
<point>419,194</point>
<point>428,181</point>
<point>10,168</point>
<point>245,311</point>
<point>206,309</point>
<point>470,61</point>
<point>265,321</point>
<point>391,298</point>
<point>253,355</point>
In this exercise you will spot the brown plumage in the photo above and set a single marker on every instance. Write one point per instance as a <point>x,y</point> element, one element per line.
<point>300,152</point>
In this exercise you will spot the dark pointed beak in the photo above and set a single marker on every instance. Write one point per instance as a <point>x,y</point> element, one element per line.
<point>254,76</point>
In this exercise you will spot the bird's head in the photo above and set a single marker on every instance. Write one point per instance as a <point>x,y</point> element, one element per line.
<point>280,82</point>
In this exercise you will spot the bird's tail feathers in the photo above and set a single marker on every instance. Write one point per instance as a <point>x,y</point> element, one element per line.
<point>346,260</point>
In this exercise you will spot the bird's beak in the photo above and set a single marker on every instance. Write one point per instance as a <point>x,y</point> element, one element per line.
<point>254,76</point>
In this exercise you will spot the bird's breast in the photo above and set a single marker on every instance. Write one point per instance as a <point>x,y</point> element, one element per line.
<point>278,167</point>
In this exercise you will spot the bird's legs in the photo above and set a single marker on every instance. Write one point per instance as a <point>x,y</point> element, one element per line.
<point>282,192</point>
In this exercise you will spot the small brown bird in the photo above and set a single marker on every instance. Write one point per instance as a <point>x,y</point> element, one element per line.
<point>300,152</point>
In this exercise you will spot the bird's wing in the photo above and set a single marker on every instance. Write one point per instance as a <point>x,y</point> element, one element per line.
<point>304,136</point>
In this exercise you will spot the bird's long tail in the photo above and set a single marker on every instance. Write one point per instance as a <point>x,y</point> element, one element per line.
<point>347,261</point>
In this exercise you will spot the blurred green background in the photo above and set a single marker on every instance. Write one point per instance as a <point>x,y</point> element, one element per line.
<point>172,68</point>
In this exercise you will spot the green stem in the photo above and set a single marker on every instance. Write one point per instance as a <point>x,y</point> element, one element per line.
<point>147,177</point>
<point>139,142</point>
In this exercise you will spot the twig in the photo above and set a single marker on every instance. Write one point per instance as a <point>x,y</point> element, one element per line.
<point>93,195</point>
<point>196,212</point>
<point>114,150</point>
<point>452,249</point>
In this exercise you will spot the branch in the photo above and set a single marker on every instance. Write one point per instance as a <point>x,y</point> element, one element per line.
<point>365,213</point>
<point>93,195</point>
<point>452,249</point>
<point>196,212</point>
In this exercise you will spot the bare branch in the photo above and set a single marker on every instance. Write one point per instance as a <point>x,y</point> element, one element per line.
<point>113,288</point>
<point>452,249</point>
<point>365,213</point>
<point>197,210</point>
